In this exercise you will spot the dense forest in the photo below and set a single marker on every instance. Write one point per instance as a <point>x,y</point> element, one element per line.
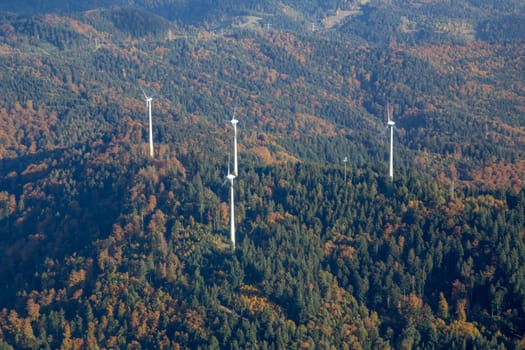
<point>104,247</point>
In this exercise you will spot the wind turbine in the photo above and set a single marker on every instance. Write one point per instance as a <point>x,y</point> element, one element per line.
<point>148,106</point>
<point>229,178</point>
<point>234,122</point>
<point>345,160</point>
<point>390,125</point>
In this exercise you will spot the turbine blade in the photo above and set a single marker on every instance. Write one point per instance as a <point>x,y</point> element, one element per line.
<point>144,92</point>
<point>229,164</point>
<point>383,132</point>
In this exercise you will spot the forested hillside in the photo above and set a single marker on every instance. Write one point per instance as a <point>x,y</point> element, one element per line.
<point>102,246</point>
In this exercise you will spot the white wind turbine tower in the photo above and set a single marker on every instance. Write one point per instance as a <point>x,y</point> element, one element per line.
<point>229,178</point>
<point>148,106</point>
<point>234,122</point>
<point>390,125</point>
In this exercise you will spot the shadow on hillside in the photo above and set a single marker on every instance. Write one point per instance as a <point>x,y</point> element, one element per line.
<point>58,204</point>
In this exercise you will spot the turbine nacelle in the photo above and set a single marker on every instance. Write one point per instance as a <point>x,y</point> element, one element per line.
<point>390,123</point>
<point>230,178</point>
<point>234,120</point>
